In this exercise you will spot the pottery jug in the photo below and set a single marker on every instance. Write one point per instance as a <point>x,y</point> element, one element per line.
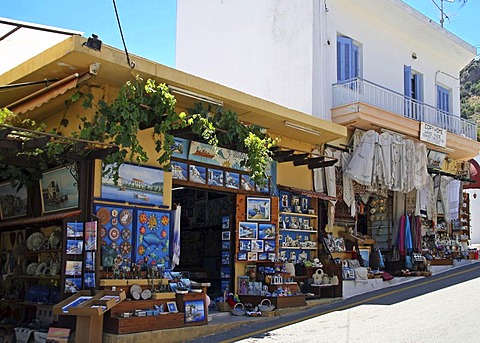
<point>334,280</point>
<point>318,276</point>
<point>325,279</point>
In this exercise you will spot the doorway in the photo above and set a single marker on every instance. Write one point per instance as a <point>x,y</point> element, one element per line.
<point>205,240</point>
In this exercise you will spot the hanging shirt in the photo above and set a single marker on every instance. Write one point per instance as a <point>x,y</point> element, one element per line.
<point>362,166</point>
<point>454,198</point>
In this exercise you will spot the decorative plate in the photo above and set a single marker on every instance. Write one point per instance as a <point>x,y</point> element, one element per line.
<point>31,268</point>
<point>113,233</point>
<point>135,288</point>
<point>126,234</point>
<point>152,222</point>
<point>114,221</point>
<point>146,294</point>
<point>104,215</point>
<point>35,241</point>
<point>142,218</point>
<point>125,217</point>
<point>114,212</point>
<point>125,248</point>
<point>41,268</point>
<point>114,246</point>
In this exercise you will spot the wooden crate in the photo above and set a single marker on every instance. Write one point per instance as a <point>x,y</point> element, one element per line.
<point>279,302</point>
<point>442,262</point>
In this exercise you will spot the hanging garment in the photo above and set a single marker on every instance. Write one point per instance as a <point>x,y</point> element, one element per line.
<point>362,166</point>
<point>426,204</point>
<point>420,174</point>
<point>408,237</point>
<point>401,236</point>
<point>409,161</point>
<point>443,191</point>
<point>348,192</point>
<point>176,237</point>
<point>454,198</point>
<point>398,164</point>
<point>330,176</point>
<point>385,175</point>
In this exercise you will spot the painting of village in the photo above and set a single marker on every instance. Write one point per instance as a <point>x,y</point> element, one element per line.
<point>136,184</point>
<point>13,203</point>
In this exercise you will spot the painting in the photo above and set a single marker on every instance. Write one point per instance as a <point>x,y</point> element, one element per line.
<point>257,245</point>
<point>225,257</point>
<point>172,306</point>
<point>263,256</point>
<point>242,256</point>
<point>269,245</point>
<point>266,231</point>
<point>73,285</point>
<point>258,209</point>
<point>89,280</point>
<point>225,235</point>
<point>232,180</point>
<point>76,302</point>
<point>13,203</point>
<point>246,183</point>
<point>179,170</point>
<point>152,238</point>
<point>136,184</point>
<point>197,174</point>
<point>365,253</point>
<point>225,222</point>
<point>75,229</point>
<point>74,247</point>
<point>225,273</point>
<point>226,245</point>
<point>89,261</point>
<point>252,256</point>
<point>73,268</point>
<point>91,236</point>
<point>245,245</point>
<point>59,189</point>
<point>247,230</point>
<point>215,177</point>
<point>180,147</point>
<point>195,311</point>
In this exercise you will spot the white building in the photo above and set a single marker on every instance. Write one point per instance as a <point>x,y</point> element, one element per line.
<point>295,52</point>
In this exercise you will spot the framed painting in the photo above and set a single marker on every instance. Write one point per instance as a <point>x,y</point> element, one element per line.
<point>13,203</point>
<point>136,184</point>
<point>197,174</point>
<point>247,230</point>
<point>179,170</point>
<point>258,209</point>
<point>91,236</point>
<point>242,256</point>
<point>74,247</point>
<point>245,245</point>
<point>266,231</point>
<point>59,189</point>
<point>215,177</point>
<point>257,245</point>
<point>75,229</point>
<point>195,311</point>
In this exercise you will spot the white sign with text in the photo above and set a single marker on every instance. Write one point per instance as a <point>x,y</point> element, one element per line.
<point>433,134</point>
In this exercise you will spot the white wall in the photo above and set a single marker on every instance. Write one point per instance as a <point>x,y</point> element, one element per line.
<point>260,47</point>
<point>285,50</point>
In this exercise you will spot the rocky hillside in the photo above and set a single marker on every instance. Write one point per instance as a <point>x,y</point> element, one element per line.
<point>470,91</point>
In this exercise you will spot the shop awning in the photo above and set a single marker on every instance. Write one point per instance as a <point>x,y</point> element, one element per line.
<point>44,95</point>
<point>474,175</point>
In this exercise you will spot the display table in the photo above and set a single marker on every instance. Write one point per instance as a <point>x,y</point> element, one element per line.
<point>279,302</point>
<point>89,310</point>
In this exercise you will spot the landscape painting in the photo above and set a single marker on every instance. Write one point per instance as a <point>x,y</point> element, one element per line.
<point>136,184</point>
<point>59,189</point>
<point>13,204</point>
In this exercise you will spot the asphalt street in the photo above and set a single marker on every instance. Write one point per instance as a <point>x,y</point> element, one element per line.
<point>440,308</point>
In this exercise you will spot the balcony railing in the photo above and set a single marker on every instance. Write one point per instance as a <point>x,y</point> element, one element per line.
<point>359,90</point>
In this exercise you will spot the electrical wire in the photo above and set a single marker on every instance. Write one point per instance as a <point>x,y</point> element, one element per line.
<point>130,63</point>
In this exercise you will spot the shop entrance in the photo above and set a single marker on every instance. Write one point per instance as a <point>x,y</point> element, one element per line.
<point>205,240</point>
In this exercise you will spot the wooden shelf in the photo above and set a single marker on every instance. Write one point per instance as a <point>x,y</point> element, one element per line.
<point>299,230</point>
<point>36,252</point>
<point>36,277</point>
<point>299,214</point>
<point>297,248</point>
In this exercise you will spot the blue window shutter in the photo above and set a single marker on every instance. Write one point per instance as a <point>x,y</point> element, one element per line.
<point>443,99</point>
<point>344,58</point>
<point>418,87</point>
<point>407,84</point>
<point>354,64</point>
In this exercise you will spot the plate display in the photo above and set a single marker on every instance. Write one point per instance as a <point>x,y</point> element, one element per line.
<point>152,243</point>
<point>31,268</point>
<point>116,241</point>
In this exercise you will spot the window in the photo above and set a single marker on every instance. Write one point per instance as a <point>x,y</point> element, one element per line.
<point>443,99</point>
<point>413,91</point>
<point>348,59</point>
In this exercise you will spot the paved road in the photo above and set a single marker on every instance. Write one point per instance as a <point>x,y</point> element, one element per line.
<point>441,308</point>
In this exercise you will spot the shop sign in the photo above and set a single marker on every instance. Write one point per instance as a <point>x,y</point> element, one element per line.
<point>463,169</point>
<point>433,134</point>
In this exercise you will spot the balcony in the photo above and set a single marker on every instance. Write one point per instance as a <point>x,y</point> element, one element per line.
<point>359,91</point>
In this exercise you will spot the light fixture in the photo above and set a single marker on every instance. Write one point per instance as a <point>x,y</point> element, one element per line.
<point>193,95</point>
<point>414,55</point>
<point>301,128</point>
<point>93,43</point>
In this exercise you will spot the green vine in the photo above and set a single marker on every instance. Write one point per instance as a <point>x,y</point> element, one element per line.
<point>144,104</point>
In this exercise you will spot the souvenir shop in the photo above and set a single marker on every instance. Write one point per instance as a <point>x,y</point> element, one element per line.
<point>398,212</point>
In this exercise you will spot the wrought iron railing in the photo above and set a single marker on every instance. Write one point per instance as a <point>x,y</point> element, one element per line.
<point>359,90</point>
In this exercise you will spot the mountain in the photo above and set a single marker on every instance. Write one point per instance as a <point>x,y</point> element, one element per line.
<point>470,92</point>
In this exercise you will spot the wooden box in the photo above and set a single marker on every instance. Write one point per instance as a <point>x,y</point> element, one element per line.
<point>279,302</point>
<point>119,325</point>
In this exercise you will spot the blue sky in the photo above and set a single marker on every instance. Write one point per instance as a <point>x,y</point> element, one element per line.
<point>149,26</point>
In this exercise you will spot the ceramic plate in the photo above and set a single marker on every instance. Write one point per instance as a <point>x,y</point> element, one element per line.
<point>35,241</point>
<point>114,212</point>
<point>126,234</point>
<point>125,217</point>
<point>135,288</point>
<point>114,221</point>
<point>41,268</point>
<point>113,233</point>
<point>104,215</point>
<point>146,294</point>
<point>125,248</point>
<point>31,268</point>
